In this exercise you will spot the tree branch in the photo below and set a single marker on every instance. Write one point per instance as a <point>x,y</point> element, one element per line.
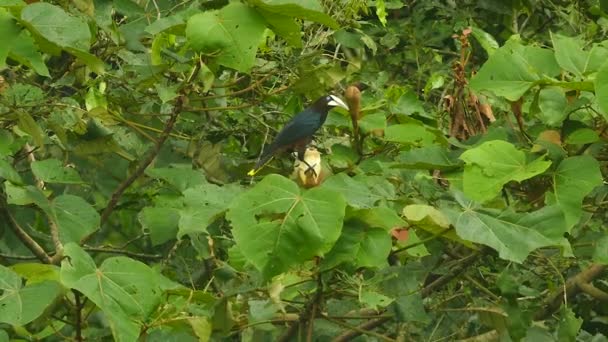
<point>27,240</point>
<point>572,287</point>
<point>142,165</point>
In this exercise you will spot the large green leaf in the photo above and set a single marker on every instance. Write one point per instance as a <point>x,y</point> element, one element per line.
<point>507,73</point>
<point>493,164</point>
<point>21,304</point>
<point>181,178</point>
<point>360,245</point>
<point>75,217</point>
<point>55,29</point>
<point>569,53</point>
<point>53,171</point>
<point>512,235</point>
<point>356,193</point>
<point>8,172</point>
<point>433,157</point>
<point>432,220</point>
<point>160,222</point>
<point>233,33</point>
<point>302,9</point>
<point>574,179</point>
<point>203,205</point>
<point>276,226</point>
<point>127,291</point>
<point>411,134</point>
<point>552,103</point>
<point>19,45</point>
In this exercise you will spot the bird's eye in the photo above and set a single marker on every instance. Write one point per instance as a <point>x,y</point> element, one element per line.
<point>328,98</point>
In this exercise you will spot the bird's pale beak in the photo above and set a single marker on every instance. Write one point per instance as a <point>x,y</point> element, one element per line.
<point>337,102</point>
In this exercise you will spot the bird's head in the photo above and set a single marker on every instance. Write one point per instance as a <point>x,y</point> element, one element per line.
<point>327,102</point>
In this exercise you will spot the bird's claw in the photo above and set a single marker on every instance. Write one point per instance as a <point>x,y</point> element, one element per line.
<point>310,168</point>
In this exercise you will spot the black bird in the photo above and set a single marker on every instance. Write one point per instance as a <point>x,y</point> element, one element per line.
<point>298,132</point>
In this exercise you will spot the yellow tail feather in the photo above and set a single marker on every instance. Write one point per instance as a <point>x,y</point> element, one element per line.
<point>254,171</point>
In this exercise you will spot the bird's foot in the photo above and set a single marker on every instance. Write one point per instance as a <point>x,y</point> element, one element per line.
<point>310,168</point>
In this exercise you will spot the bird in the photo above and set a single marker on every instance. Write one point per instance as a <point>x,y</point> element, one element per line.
<point>298,132</point>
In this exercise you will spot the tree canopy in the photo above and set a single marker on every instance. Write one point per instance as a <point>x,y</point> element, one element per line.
<point>461,196</point>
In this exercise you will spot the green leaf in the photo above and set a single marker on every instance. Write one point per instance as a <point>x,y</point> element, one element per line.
<point>569,53</point>
<point>52,171</point>
<point>410,134</point>
<point>127,291</point>
<point>276,226</point>
<point>284,26</point>
<point>600,252</point>
<point>541,60</point>
<point>569,325</point>
<point>507,73</point>
<point>235,31</point>
<point>582,136</point>
<point>58,29</point>
<point>359,245</point>
<point>379,217</point>
<point>18,45</point>
<point>356,193</point>
<point>381,11</point>
<point>181,178</point>
<point>432,220</point>
<point>552,102</point>
<point>20,304</point>
<point>512,235</point>
<point>24,195</point>
<point>35,273</point>
<point>31,127</point>
<point>574,179</point>
<point>75,217</point>
<point>161,223</point>
<point>8,172</point>
<point>302,9</point>
<point>371,122</point>
<point>493,164</point>
<point>433,157</point>
<point>203,205</point>
<point>486,40</point>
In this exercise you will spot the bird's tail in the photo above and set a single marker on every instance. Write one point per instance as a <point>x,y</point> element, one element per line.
<point>264,159</point>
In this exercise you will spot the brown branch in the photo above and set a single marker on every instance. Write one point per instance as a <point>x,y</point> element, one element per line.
<point>27,240</point>
<point>593,291</point>
<point>78,314</point>
<point>142,165</point>
<point>307,314</point>
<point>56,241</point>
<point>364,328</point>
<point>572,287</point>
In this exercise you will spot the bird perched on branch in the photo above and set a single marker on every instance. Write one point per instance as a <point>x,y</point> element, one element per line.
<point>298,132</point>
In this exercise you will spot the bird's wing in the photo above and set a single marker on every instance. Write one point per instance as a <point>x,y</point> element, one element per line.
<point>301,126</point>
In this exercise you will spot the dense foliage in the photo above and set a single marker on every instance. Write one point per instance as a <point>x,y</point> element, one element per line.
<point>462,197</point>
